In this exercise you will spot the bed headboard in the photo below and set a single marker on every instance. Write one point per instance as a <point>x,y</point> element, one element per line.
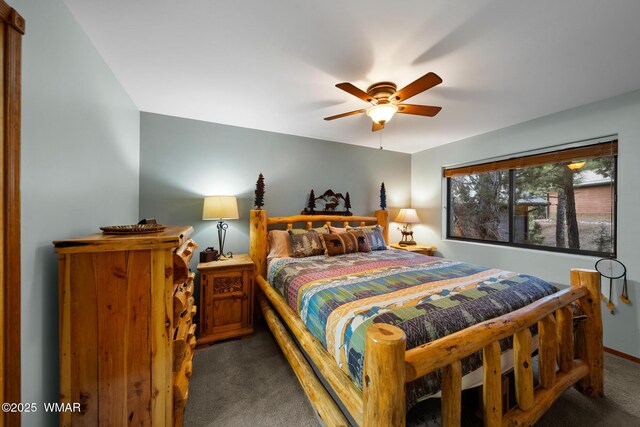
<point>260,222</point>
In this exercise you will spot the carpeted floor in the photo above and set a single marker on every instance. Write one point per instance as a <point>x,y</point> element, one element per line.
<point>248,382</point>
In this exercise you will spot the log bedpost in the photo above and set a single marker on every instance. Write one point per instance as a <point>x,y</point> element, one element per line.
<point>589,334</point>
<point>384,376</point>
<point>383,221</point>
<point>258,240</point>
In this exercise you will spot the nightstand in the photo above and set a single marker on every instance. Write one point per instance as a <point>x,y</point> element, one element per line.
<point>226,298</point>
<point>421,249</point>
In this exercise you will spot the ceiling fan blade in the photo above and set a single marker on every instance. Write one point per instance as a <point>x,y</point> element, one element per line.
<point>425,82</point>
<point>350,113</point>
<point>376,127</point>
<point>420,110</point>
<point>349,88</point>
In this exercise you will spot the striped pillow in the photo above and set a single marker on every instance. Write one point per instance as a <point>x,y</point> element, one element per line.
<point>374,235</point>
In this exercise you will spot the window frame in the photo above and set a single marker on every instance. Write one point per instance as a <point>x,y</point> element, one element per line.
<point>511,172</point>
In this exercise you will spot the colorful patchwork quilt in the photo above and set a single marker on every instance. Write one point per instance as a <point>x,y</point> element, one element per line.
<point>339,297</point>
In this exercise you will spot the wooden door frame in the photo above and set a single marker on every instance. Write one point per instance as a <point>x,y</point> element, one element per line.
<point>12,30</point>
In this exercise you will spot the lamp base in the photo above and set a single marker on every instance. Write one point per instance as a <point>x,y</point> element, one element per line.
<point>407,243</point>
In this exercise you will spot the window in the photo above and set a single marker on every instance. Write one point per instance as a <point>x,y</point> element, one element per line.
<point>560,201</point>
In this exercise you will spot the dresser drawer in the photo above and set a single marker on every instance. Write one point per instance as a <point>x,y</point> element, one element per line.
<point>183,299</point>
<point>181,258</point>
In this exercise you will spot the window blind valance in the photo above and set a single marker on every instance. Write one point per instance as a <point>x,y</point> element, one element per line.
<point>604,149</point>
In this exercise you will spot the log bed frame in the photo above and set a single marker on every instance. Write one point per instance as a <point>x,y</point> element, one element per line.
<point>388,365</point>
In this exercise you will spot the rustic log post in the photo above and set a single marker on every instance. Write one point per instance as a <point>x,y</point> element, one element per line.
<point>564,317</point>
<point>258,240</point>
<point>492,388</point>
<point>451,402</point>
<point>325,407</point>
<point>383,221</point>
<point>590,335</point>
<point>547,351</point>
<point>522,369</point>
<point>384,376</point>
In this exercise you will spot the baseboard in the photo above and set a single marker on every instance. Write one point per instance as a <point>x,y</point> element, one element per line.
<point>623,355</point>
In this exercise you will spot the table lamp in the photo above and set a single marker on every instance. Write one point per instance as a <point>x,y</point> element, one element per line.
<point>220,208</point>
<point>408,216</point>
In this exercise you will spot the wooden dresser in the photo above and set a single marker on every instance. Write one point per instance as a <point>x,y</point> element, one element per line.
<point>226,298</point>
<point>126,331</point>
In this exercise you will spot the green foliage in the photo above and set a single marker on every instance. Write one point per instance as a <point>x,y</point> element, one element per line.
<point>479,202</point>
<point>535,233</point>
<point>602,239</point>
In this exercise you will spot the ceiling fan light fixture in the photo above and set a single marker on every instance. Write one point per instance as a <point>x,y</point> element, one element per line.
<point>382,113</point>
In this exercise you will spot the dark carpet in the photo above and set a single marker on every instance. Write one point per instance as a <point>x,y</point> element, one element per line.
<point>248,382</point>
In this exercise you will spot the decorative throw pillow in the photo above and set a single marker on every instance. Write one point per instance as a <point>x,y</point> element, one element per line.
<point>306,244</point>
<point>350,242</point>
<point>279,244</point>
<point>334,244</point>
<point>320,230</point>
<point>337,230</point>
<point>374,235</point>
<point>363,242</point>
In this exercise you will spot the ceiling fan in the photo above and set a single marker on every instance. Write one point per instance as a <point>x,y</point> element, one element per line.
<point>387,100</point>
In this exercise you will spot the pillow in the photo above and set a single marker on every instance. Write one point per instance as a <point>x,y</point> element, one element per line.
<point>321,230</point>
<point>341,243</point>
<point>363,242</point>
<point>279,243</point>
<point>334,244</point>
<point>350,242</point>
<point>337,230</point>
<point>374,236</point>
<point>306,244</point>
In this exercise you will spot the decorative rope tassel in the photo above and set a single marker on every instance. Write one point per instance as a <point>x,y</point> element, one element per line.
<point>624,297</point>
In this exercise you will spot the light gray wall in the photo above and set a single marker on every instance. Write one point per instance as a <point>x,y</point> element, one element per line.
<point>182,160</point>
<point>619,115</point>
<point>80,167</point>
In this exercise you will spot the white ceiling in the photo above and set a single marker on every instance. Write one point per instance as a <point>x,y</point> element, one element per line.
<point>272,65</point>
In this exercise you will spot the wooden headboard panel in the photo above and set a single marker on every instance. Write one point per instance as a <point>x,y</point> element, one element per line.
<point>260,222</point>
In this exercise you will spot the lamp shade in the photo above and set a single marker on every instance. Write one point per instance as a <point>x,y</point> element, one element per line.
<point>220,207</point>
<point>407,216</point>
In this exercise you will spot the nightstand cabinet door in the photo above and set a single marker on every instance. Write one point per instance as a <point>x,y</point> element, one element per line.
<point>227,301</point>
<point>226,297</point>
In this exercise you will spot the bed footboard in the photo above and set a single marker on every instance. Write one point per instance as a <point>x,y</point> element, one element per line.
<point>385,345</point>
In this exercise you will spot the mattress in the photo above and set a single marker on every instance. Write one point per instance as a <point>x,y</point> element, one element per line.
<point>337,298</point>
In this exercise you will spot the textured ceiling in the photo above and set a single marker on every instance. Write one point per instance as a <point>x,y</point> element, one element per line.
<point>272,65</point>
